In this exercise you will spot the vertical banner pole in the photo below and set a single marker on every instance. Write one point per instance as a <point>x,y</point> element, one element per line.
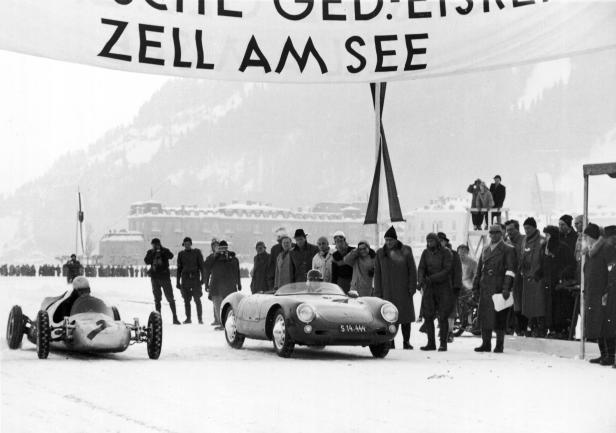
<point>377,139</point>
<point>582,279</point>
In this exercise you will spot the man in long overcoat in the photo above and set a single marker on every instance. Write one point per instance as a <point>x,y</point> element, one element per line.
<point>495,274</point>
<point>435,276</point>
<point>223,270</point>
<point>260,270</point>
<point>516,239</point>
<point>609,322</point>
<point>533,293</point>
<point>395,280</point>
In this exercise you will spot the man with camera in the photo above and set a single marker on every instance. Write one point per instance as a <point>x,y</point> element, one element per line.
<point>158,258</point>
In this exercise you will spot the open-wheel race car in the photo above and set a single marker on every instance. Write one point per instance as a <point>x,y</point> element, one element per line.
<point>79,322</point>
<point>312,313</point>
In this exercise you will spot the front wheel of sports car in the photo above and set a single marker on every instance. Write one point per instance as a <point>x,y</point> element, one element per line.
<point>15,327</point>
<point>380,350</point>
<point>43,334</point>
<point>155,334</point>
<point>283,343</point>
<point>234,338</point>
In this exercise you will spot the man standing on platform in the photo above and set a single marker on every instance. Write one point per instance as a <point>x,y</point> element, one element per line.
<point>158,258</point>
<point>495,275</point>
<point>499,192</point>
<point>435,271</point>
<point>301,256</point>
<point>395,280</point>
<point>190,277</point>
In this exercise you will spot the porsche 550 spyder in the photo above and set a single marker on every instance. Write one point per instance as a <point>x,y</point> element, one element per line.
<point>312,313</point>
<point>79,322</point>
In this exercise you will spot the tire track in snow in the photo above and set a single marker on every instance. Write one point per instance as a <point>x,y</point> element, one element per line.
<point>93,406</point>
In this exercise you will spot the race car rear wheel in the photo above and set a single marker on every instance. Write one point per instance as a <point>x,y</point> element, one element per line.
<point>283,343</point>
<point>43,334</point>
<point>380,350</point>
<point>15,327</point>
<point>155,334</point>
<point>234,338</point>
<point>116,313</point>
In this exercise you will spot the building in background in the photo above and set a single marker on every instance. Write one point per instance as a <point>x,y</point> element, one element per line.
<point>240,224</point>
<point>445,214</point>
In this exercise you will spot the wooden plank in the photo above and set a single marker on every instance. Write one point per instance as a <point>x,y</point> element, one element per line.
<point>608,168</point>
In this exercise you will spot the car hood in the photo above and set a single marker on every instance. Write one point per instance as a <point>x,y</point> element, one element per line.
<point>339,309</point>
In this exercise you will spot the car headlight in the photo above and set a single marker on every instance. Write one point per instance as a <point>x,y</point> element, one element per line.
<point>305,313</point>
<point>389,313</point>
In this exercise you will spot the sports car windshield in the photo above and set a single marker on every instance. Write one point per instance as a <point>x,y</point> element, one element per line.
<point>90,304</point>
<point>310,288</point>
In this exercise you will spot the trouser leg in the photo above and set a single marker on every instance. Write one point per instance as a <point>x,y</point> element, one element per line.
<point>217,301</point>
<point>430,331</point>
<point>156,286</point>
<point>406,332</point>
<point>168,291</point>
<point>199,308</point>
<point>443,332</point>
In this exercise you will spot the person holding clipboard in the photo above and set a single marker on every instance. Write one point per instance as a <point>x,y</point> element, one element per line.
<point>492,287</point>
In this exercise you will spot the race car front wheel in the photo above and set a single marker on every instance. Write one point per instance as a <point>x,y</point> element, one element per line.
<point>380,350</point>
<point>234,338</point>
<point>43,334</point>
<point>155,334</point>
<point>283,343</point>
<point>15,327</point>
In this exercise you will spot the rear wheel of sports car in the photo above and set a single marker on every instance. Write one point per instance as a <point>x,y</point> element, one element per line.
<point>234,338</point>
<point>380,350</point>
<point>155,334</point>
<point>283,343</point>
<point>116,313</point>
<point>43,334</point>
<point>15,327</point>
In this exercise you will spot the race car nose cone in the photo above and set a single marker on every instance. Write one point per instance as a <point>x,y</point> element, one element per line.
<point>307,329</point>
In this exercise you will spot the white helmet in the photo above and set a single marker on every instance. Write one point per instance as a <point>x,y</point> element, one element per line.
<point>81,284</point>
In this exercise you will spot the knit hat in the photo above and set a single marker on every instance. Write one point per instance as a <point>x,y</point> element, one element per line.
<point>186,239</point>
<point>391,233</point>
<point>155,241</point>
<point>593,231</point>
<point>433,236</point>
<point>610,231</point>
<point>442,236</point>
<point>567,219</point>
<point>530,221</point>
<point>223,243</point>
<point>552,231</point>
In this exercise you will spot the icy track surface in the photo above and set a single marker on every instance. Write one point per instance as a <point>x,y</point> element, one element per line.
<point>199,384</point>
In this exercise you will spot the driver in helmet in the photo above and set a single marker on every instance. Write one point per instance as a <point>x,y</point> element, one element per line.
<point>81,286</point>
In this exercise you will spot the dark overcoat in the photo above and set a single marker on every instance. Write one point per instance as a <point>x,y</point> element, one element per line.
<point>495,272</point>
<point>609,322</point>
<point>260,273</point>
<point>533,290</point>
<point>395,279</point>
<point>301,261</point>
<point>438,296</point>
<point>518,280</point>
<point>595,286</point>
<point>224,273</point>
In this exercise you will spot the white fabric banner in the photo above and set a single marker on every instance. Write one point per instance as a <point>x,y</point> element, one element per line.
<point>306,40</point>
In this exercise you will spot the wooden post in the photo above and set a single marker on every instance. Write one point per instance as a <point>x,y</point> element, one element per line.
<point>582,282</point>
<point>377,139</point>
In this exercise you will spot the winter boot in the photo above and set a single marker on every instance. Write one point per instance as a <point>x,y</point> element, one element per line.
<point>199,310</point>
<point>500,341</point>
<point>610,348</point>
<point>443,345</point>
<point>187,311</point>
<point>406,345</point>
<point>429,325</point>
<point>174,312</point>
<point>602,350</point>
<point>486,345</point>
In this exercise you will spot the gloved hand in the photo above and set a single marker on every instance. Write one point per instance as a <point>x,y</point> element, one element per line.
<point>506,294</point>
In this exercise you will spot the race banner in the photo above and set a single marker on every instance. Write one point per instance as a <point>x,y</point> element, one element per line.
<point>306,41</point>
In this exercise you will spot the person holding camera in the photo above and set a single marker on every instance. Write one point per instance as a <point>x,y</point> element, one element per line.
<point>190,277</point>
<point>158,258</point>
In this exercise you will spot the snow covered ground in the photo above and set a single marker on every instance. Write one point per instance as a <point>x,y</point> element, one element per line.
<point>199,384</point>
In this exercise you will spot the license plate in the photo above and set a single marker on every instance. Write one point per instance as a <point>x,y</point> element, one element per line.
<point>352,329</point>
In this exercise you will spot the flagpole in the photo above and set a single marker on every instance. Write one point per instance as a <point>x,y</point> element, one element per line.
<point>377,140</point>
